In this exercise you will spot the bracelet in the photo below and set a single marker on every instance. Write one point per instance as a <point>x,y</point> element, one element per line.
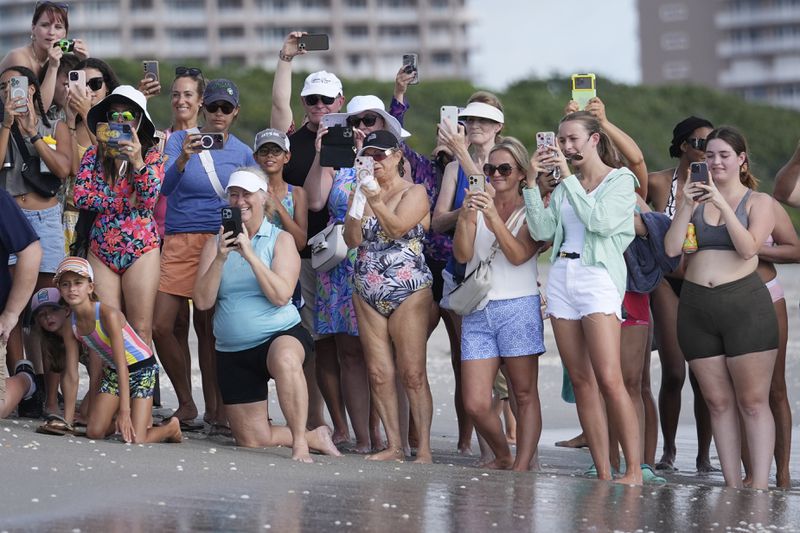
<point>72,129</point>
<point>285,57</point>
<point>35,138</point>
<point>141,170</point>
<point>6,127</point>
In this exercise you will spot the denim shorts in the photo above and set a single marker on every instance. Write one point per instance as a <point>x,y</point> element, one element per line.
<point>142,381</point>
<point>48,226</point>
<point>504,328</point>
<point>575,290</point>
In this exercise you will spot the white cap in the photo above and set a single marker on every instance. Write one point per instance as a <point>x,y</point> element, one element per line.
<point>481,110</point>
<point>247,180</point>
<point>323,83</point>
<point>369,102</point>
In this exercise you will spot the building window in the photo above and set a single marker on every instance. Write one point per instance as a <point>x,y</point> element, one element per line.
<point>231,32</point>
<point>186,4</point>
<point>141,5</point>
<point>442,58</point>
<point>673,12</point>
<point>229,4</point>
<point>398,4</point>
<point>187,34</point>
<point>398,31</point>
<point>676,40</point>
<point>357,32</point>
<point>357,4</point>
<point>354,60</point>
<point>676,70</point>
<point>143,33</point>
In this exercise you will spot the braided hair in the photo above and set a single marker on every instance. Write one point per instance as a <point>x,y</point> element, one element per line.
<point>37,96</point>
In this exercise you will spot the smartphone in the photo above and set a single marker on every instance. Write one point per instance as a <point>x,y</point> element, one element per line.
<point>477,182</point>
<point>313,41</point>
<point>211,141</point>
<point>162,140</point>
<point>584,88</point>
<point>699,173</point>
<point>66,45</point>
<point>449,112</point>
<point>409,66</point>
<point>110,135</point>
<point>334,119</point>
<point>545,138</point>
<point>77,81</point>
<point>150,70</point>
<point>365,168</point>
<point>19,89</point>
<point>231,220</point>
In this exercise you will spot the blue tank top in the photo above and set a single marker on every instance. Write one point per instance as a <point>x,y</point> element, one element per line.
<point>288,203</point>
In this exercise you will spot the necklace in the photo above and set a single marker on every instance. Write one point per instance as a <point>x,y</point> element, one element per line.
<point>35,58</point>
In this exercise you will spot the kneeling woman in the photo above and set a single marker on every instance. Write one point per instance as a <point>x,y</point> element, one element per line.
<point>509,323</point>
<point>257,329</point>
<point>129,366</point>
<point>727,326</point>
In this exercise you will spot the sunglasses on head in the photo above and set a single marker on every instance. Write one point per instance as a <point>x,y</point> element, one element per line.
<point>95,84</point>
<point>60,5</point>
<point>696,143</point>
<point>379,155</point>
<point>269,149</point>
<point>125,116</point>
<point>505,169</point>
<point>226,107</point>
<point>188,71</point>
<point>312,99</point>
<point>367,120</point>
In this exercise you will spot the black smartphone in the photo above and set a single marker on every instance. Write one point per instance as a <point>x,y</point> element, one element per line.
<point>211,141</point>
<point>231,220</point>
<point>338,148</point>
<point>698,173</point>
<point>313,41</point>
<point>410,65</point>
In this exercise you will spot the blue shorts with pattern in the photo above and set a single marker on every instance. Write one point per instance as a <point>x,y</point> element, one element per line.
<point>142,381</point>
<point>504,328</point>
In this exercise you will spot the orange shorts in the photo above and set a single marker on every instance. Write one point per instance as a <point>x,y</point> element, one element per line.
<point>180,259</point>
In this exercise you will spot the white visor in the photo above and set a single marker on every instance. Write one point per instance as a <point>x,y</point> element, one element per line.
<point>246,180</point>
<point>481,110</point>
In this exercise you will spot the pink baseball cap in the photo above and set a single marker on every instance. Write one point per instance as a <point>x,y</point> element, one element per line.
<point>49,297</point>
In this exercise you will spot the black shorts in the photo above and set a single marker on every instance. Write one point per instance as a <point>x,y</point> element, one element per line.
<point>731,319</point>
<point>243,376</point>
<point>436,268</point>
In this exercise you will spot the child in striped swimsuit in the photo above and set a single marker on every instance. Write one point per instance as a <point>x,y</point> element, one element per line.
<point>129,366</point>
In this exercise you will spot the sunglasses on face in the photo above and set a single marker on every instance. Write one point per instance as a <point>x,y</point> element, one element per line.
<point>226,107</point>
<point>95,84</point>
<point>61,5</point>
<point>124,116</point>
<point>188,71</point>
<point>505,169</point>
<point>697,144</point>
<point>379,155</point>
<point>270,149</point>
<point>367,120</point>
<point>312,99</point>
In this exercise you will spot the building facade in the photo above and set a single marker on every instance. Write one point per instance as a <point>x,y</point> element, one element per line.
<point>367,37</point>
<point>748,47</point>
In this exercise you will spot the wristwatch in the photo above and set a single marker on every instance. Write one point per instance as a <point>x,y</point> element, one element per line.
<point>35,138</point>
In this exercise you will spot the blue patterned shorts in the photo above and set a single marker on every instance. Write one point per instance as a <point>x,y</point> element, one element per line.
<point>142,382</point>
<point>504,328</point>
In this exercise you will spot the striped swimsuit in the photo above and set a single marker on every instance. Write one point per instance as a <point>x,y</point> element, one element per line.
<point>137,353</point>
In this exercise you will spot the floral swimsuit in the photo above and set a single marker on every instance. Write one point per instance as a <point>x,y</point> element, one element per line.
<point>387,271</point>
<point>124,229</point>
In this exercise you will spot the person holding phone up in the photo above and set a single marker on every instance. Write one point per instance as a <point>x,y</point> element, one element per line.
<point>249,275</point>
<point>194,182</point>
<point>123,189</point>
<point>727,326</point>
<point>23,135</point>
<point>508,324</point>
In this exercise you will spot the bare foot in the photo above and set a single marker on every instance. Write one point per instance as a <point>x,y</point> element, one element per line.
<point>667,463</point>
<point>704,466</point>
<point>340,436</point>
<point>504,463</point>
<point>389,454</point>
<point>423,458</point>
<point>783,480</point>
<point>466,451</point>
<point>632,477</point>
<point>321,440</point>
<point>747,482</point>
<point>300,453</point>
<point>185,413</point>
<point>176,436</point>
<point>362,449</point>
<point>574,442</point>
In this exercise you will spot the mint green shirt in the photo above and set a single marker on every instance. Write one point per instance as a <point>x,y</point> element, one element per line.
<point>607,216</point>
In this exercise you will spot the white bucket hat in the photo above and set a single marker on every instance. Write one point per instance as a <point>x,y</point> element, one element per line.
<point>124,94</point>
<point>369,102</point>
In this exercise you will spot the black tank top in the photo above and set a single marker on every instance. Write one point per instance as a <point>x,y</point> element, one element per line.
<point>717,237</point>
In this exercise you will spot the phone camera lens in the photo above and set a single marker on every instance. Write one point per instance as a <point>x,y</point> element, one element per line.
<point>206,141</point>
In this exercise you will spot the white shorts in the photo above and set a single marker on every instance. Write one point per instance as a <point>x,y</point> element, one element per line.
<point>575,291</point>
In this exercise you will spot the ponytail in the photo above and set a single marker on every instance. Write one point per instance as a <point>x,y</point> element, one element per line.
<point>605,148</point>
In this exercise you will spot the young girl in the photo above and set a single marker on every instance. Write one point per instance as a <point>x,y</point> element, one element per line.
<point>129,367</point>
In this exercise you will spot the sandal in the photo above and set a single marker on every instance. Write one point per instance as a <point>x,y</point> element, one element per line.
<point>55,425</point>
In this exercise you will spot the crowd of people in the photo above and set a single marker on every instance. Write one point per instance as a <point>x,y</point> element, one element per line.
<point>126,243</point>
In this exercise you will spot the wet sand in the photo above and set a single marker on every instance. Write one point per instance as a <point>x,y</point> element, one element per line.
<point>75,484</point>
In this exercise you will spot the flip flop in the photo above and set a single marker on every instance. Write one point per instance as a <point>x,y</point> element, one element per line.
<point>220,430</point>
<point>186,425</point>
<point>648,476</point>
<point>55,425</point>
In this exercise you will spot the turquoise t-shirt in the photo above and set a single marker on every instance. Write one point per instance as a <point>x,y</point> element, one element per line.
<point>244,316</point>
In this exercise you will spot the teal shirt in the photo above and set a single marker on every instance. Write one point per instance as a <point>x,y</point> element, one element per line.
<point>607,216</point>
<point>244,316</point>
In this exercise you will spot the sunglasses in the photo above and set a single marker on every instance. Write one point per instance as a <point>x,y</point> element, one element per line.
<point>312,99</point>
<point>505,169</point>
<point>367,120</point>
<point>95,84</point>
<point>226,107</point>
<point>379,155</point>
<point>193,72</point>
<point>60,5</point>
<point>125,116</point>
<point>270,149</point>
<point>697,144</point>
